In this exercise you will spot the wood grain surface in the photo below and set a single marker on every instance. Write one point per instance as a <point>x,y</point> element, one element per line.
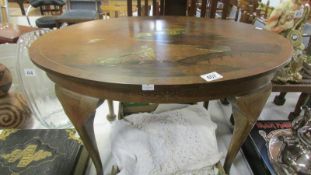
<point>113,59</point>
<point>169,52</point>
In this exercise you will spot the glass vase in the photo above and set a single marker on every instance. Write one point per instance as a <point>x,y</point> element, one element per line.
<point>38,88</point>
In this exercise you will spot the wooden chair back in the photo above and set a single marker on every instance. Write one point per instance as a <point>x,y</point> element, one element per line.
<point>168,7</point>
<point>198,8</point>
<point>224,10</point>
<point>248,10</point>
<point>51,9</point>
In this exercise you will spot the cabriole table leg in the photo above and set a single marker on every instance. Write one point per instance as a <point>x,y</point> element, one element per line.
<point>81,111</point>
<point>246,110</point>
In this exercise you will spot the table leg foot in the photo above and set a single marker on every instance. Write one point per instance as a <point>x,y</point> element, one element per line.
<point>111,116</point>
<point>246,110</point>
<point>280,99</point>
<point>302,100</point>
<point>81,111</point>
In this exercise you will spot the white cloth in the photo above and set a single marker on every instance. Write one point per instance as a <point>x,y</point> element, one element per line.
<point>177,142</point>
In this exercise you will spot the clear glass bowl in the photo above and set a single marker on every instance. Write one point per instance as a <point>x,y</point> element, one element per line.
<point>37,87</point>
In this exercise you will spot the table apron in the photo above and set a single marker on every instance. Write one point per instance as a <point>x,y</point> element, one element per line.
<point>163,93</point>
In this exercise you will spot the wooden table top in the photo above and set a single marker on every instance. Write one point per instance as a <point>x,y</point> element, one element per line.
<point>13,32</point>
<point>163,51</point>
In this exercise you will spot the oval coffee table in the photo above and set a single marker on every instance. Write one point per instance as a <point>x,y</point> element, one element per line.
<point>161,60</point>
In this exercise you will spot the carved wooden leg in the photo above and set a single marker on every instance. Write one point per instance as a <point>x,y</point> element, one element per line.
<point>111,116</point>
<point>246,110</point>
<point>280,99</point>
<point>302,100</point>
<point>81,111</point>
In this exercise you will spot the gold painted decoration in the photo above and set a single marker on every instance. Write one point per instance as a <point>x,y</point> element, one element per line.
<point>168,39</point>
<point>144,53</point>
<point>159,33</point>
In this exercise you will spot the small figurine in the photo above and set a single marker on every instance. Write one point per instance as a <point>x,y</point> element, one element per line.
<point>287,20</point>
<point>283,17</point>
<point>14,111</point>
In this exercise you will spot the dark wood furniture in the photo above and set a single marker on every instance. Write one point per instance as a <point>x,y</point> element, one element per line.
<point>12,33</point>
<point>51,9</point>
<point>48,7</point>
<point>21,6</point>
<point>304,89</point>
<point>116,59</point>
<point>168,7</point>
<point>224,9</point>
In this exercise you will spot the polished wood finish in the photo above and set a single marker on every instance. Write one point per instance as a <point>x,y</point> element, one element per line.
<point>146,8</point>
<point>192,8</point>
<point>155,10</point>
<point>13,32</point>
<point>51,9</point>
<point>177,8</point>
<point>225,10</point>
<point>246,110</point>
<point>139,7</point>
<point>302,100</point>
<point>167,8</point>
<point>203,9</point>
<point>81,111</point>
<point>130,8</point>
<point>142,10</point>
<point>114,58</point>
<point>304,89</point>
<point>161,56</point>
<point>162,7</point>
<point>213,8</point>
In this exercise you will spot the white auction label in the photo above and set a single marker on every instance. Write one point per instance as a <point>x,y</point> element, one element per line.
<point>211,76</point>
<point>30,72</point>
<point>148,87</point>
